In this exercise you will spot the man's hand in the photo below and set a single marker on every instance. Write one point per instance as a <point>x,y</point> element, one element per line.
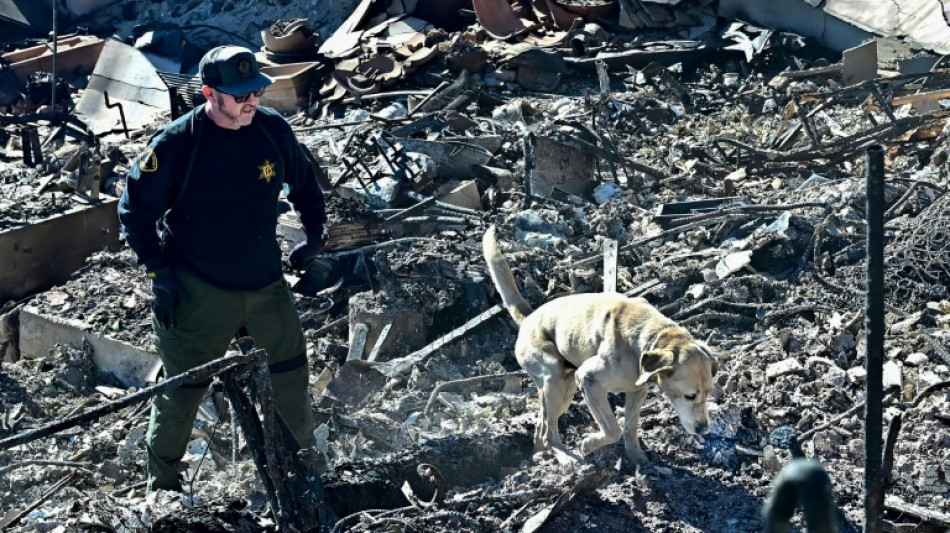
<point>306,251</point>
<point>167,293</point>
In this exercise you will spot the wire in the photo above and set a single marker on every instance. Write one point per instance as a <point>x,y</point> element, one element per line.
<point>191,482</point>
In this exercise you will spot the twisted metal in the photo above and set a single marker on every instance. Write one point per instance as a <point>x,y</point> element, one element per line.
<point>919,261</point>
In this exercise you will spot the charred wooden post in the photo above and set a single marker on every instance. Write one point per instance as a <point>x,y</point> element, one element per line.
<point>246,416</point>
<point>292,481</point>
<point>528,141</point>
<point>874,324</point>
<point>277,467</point>
<point>25,143</point>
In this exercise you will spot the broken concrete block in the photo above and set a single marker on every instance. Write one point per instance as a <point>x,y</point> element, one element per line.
<point>783,367</point>
<point>39,333</point>
<point>857,374</point>
<point>892,375</point>
<point>464,194</point>
<point>408,328</point>
<point>377,194</point>
<point>770,461</point>
<point>733,263</point>
<point>355,383</point>
<point>560,165</point>
<point>916,359</point>
<point>606,192</point>
<point>835,376</point>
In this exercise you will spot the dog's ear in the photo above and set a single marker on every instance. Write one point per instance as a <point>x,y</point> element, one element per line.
<point>711,354</point>
<point>655,363</point>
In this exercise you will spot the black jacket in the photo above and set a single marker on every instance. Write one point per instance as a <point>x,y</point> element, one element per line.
<point>222,224</point>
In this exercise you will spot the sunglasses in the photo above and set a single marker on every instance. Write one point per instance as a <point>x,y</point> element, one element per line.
<point>241,98</point>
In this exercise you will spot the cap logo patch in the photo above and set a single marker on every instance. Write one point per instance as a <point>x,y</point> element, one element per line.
<point>147,161</point>
<point>267,171</point>
<point>244,67</point>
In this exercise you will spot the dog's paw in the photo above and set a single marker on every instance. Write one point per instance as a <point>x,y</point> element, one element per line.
<point>637,458</point>
<point>566,457</point>
<point>591,444</point>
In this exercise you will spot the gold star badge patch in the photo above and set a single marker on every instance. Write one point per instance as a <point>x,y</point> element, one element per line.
<point>147,161</point>
<point>267,171</point>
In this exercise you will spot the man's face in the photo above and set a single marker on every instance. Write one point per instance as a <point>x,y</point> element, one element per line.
<point>234,114</point>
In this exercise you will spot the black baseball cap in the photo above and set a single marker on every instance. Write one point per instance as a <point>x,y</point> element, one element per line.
<point>232,70</point>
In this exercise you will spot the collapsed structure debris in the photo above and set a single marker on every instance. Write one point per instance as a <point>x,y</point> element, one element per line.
<point>661,149</point>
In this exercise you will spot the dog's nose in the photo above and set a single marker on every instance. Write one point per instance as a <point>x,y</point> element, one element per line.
<point>702,428</point>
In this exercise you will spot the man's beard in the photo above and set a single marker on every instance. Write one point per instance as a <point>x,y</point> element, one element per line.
<point>239,119</point>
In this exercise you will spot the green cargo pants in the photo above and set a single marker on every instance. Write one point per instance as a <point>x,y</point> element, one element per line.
<point>201,333</point>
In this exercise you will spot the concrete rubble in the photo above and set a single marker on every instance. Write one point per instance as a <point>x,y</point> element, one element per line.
<point>700,154</point>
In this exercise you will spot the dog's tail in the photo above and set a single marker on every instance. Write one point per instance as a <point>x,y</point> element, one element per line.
<point>503,278</point>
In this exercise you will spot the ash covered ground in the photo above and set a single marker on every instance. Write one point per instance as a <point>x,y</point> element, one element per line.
<point>773,279</point>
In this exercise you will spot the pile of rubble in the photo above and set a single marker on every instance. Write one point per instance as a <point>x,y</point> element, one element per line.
<point>643,147</point>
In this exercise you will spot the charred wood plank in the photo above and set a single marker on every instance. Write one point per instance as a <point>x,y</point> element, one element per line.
<point>293,486</point>
<point>928,515</point>
<point>198,374</point>
<point>246,417</point>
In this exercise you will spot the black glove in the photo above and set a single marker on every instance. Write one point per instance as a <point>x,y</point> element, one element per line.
<point>305,252</point>
<point>321,272</point>
<point>167,293</point>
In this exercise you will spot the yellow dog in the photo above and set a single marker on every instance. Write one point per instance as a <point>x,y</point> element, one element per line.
<point>602,343</point>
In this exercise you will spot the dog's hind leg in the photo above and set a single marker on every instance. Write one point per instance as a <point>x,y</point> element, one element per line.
<point>631,412</point>
<point>595,392</point>
<point>556,393</point>
<point>567,395</point>
<point>555,390</point>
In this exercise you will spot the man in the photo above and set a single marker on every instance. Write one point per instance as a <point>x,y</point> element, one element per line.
<point>200,211</point>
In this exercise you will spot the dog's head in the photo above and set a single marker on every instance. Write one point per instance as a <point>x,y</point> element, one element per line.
<point>683,368</point>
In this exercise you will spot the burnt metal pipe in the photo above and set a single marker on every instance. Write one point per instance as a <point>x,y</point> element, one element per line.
<point>52,104</point>
<point>874,325</point>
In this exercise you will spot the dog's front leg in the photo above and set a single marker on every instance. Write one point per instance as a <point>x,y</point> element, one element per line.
<point>631,417</point>
<point>590,379</point>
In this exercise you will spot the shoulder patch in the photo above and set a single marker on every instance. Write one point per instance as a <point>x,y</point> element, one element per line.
<point>148,162</point>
